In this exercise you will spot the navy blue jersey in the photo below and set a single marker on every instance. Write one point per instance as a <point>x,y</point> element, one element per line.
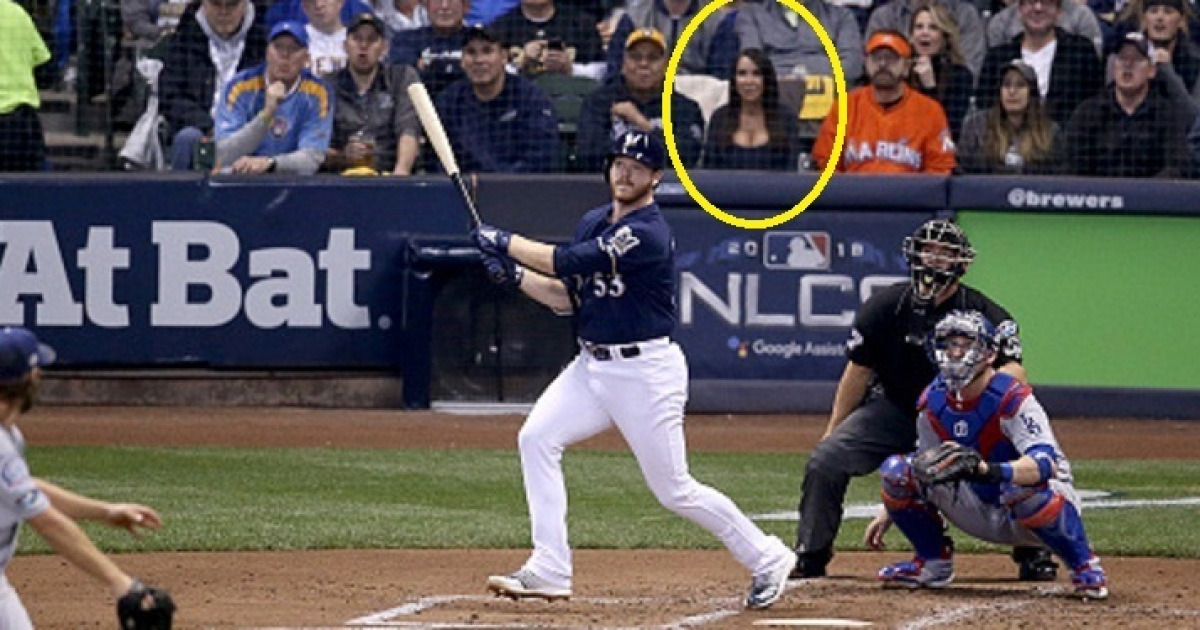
<point>621,275</point>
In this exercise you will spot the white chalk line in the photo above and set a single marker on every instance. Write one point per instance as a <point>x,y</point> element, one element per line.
<point>388,618</point>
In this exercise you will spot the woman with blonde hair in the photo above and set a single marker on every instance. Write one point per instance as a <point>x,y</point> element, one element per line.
<point>1016,134</point>
<point>939,69</point>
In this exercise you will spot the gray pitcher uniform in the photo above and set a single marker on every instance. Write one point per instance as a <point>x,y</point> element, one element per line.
<point>629,374</point>
<point>20,500</point>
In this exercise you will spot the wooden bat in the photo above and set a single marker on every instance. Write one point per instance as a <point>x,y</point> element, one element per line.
<point>441,144</point>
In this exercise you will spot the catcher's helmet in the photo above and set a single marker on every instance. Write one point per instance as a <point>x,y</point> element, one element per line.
<point>638,145</point>
<point>963,342</point>
<point>947,253</point>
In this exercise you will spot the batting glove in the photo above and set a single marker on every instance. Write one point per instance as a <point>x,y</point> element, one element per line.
<point>503,270</point>
<point>491,240</point>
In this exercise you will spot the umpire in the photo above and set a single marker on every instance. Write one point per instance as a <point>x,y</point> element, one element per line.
<point>874,408</point>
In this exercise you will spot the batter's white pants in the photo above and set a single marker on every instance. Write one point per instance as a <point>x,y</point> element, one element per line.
<point>12,612</point>
<point>644,398</point>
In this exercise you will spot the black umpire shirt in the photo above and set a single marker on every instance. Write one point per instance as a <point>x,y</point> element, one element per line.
<point>903,369</point>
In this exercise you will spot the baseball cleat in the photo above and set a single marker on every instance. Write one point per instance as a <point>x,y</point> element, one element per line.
<point>767,587</point>
<point>919,573</point>
<point>524,584</point>
<point>1090,580</point>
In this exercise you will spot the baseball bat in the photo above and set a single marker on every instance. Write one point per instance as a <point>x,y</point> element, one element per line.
<point>441,144</point>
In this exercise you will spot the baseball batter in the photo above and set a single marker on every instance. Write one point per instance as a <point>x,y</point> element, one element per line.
<point>51,511</point>
<point>618,281</point>
<point>988,461</point>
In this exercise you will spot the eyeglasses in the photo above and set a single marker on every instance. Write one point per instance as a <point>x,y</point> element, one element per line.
<point>1043,3</point>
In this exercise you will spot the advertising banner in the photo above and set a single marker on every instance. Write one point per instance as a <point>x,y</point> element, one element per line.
<point>778,304</point>
<point>169,271</point>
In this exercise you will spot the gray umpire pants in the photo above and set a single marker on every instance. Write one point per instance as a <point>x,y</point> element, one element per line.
<point>871,433</point>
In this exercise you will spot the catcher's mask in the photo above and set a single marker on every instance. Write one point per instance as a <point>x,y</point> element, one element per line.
<point>963,344</point>
<point>638,145</point>
<point>938,254</point>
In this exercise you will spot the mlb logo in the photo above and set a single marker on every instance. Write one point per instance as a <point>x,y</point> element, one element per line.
<point>797,250</point>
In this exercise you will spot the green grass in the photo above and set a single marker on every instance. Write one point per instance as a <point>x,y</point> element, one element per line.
<point>263,499</point>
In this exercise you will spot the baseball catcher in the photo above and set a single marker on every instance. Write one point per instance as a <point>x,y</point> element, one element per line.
<point>52,511</point>
<point>987,460</point>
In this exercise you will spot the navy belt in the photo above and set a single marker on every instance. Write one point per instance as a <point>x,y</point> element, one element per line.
<point>608,353</point>
<point>603,352</point>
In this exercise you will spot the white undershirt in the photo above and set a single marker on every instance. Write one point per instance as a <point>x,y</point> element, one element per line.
<point>1041,61</point>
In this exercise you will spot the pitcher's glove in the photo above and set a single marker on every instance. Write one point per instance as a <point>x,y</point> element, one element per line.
<point>947,462</point>
<point>145,608</point>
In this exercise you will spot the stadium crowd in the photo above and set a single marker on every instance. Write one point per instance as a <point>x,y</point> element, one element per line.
<point>1105,88</point>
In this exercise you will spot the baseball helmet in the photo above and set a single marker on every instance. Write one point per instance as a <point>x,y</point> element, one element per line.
<point>20,353</point>
<point>959,361</point>
<point>638,145</point>
<point>936,270</point>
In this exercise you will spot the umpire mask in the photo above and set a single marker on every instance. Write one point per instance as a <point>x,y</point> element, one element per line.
<point>938,254</point>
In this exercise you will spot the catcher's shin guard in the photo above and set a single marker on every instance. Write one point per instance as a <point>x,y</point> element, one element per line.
<point>920,521</point>
<point>1054,519</point>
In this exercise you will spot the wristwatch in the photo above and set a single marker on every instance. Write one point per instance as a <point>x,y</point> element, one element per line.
<point>270,165</point>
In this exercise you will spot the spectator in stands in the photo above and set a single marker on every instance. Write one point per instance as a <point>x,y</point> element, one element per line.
<point>1074,18</point>
<point>754,131</point>
<point>897,15</point>
<point>1165,23</point>
<point>1016,134</point>
<point>939,70</point>
<point>326,36</point>
<point>374,123</point>
<point>545,37</point>
<point>1068,69</point>
<point>791,43</point>
<point>216,40</point>
<point>497,122</point>
<point>1129,130</point>
<point>890,128</point>
<point>709,51</point>
<point>293,11</point>
<point>434,50</point>
<point>22,142</point>
<point>275,117</point>
<point>401,15</point>
<point>634,99</point>
<point>150,20</point>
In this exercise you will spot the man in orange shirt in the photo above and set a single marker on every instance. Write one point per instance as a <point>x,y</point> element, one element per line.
<point>891,128</point>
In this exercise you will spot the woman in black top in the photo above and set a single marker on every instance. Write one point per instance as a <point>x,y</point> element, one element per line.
<point>939,70</point>
<point>754,130</point>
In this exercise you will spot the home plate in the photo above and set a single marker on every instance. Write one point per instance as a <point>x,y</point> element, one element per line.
<point>814,623</point>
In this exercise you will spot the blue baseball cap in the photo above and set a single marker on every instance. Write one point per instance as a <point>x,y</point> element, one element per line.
<point>20,352</point>
<point>295,29</point>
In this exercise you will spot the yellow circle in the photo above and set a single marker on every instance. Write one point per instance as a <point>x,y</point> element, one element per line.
<point>839,79</point>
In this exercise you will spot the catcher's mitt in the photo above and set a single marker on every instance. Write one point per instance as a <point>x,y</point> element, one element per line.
<point>947,462</point>
<point>145,608</point>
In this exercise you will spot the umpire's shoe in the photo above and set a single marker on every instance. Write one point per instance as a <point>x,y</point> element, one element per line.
<point>1035,564</point>
<point>524,584</point>
<point>767,587</point>
<point>811,564</point>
